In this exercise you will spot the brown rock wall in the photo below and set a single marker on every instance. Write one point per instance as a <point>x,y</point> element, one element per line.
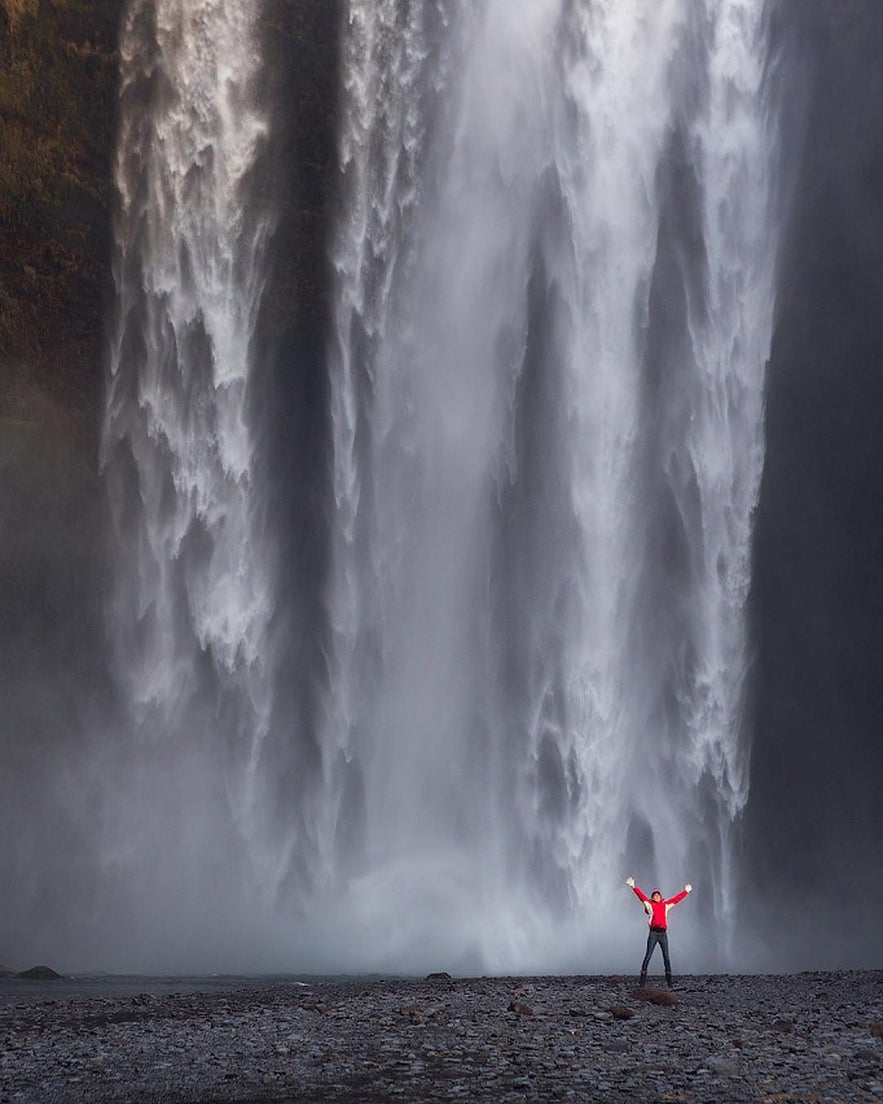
<point>58,82</point>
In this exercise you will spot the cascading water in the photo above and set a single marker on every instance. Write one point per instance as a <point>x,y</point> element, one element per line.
<point>552,307</point>
<point>554,276</point>
<point>722,448</point>
<point>194,589</point>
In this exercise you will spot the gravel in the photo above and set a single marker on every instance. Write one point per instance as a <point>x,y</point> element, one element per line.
<point>813,1038</point>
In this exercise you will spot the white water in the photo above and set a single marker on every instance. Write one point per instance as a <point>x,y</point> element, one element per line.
<point>522,700</point>
<point>194,589</point>
<point>552,304</point>
<point>735,146</point>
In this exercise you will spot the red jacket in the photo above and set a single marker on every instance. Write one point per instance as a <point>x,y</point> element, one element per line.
<point>657,911</point>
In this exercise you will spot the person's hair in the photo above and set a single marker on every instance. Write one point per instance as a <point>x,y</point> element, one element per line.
<point>655,891</point>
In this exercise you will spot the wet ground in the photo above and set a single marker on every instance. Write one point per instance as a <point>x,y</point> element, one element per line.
<point>814,1038</point>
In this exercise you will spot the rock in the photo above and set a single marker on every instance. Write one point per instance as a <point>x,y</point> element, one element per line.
<point>722,1066</point>
<point>877,1030</point>
<point>785,1026</point>
<point>439,975</point>
<point>655,996</point>
<point>39,973</point>
<point>223,1046</point>
<point>620,1012</point>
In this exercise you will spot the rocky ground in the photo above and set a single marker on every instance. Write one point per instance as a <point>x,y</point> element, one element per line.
<point>807,1037</point>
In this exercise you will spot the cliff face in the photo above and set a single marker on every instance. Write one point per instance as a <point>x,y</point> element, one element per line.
<point>815,818</point>
<point>58,80</point>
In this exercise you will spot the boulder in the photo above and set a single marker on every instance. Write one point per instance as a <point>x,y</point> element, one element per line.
<point>40,973</point>
<point>655,996</point>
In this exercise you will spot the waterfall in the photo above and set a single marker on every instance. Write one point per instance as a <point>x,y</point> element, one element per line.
<point>554,277</point>
<point>551,309</point>
<point>722,450</point>
<point>193,589</point>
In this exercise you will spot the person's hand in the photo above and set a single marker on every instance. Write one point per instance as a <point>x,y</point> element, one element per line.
<point>630,882</point>
<point>688,888</point>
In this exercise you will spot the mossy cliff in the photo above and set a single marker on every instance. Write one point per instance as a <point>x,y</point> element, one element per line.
<point>58,81</point>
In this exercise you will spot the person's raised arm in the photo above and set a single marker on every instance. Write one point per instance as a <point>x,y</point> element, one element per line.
<point>680,896</point>
<point>639,893</point>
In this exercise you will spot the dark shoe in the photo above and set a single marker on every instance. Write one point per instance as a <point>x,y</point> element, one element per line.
<point>670,982</point>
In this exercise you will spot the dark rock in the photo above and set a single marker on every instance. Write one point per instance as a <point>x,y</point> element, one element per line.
<point>520,1008</point>
<point>40,973</point>
<point>655,996</point>
<point>620,1012</point>
<point>439,975</point>
<point>57,129</point>
<point>722,1066</point>
<point>785,1026</point>
<point>877,1030</point>
<point>260,1044</point>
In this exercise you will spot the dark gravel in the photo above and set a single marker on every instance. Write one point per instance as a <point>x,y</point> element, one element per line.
<point>813,1038</point>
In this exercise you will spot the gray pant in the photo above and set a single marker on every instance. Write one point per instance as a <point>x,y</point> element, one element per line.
<point>660,936</point>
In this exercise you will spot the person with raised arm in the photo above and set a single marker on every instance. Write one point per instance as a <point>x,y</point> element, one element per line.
<point>657,908</point>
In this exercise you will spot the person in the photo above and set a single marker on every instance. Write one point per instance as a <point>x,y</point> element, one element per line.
<point>657,913</point>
